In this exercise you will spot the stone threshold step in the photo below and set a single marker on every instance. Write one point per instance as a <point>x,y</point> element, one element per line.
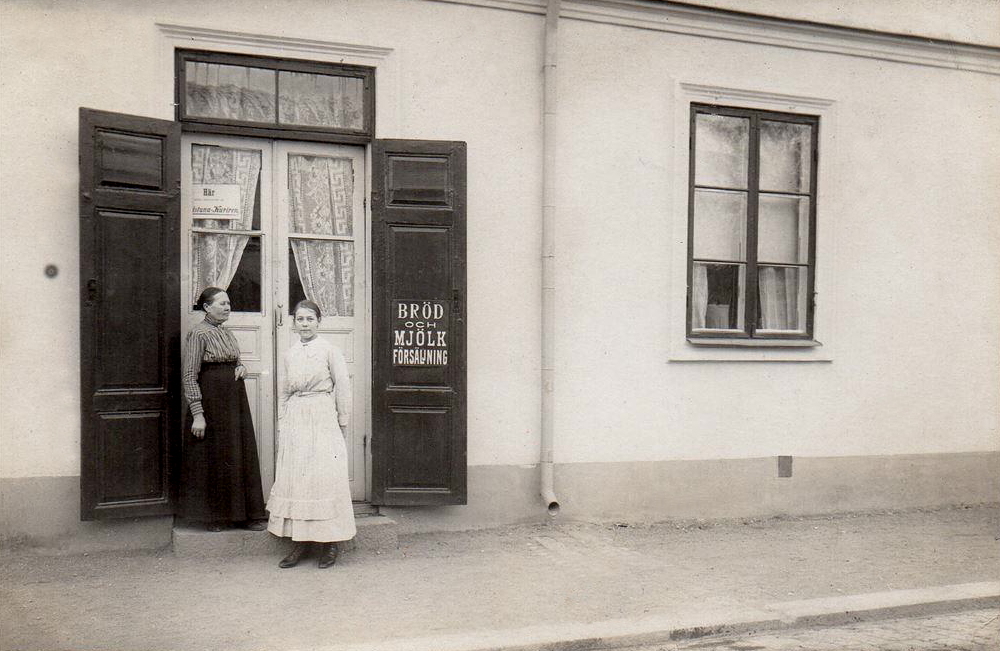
<point>376,533</point>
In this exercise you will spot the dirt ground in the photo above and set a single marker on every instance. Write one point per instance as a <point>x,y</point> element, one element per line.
<point>483,580</point>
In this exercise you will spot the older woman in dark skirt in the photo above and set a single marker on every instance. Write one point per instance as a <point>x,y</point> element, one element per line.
<point>220,474</point>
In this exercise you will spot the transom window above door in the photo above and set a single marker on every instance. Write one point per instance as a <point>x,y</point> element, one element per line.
<point>751,226</point>
<point>285,98</point>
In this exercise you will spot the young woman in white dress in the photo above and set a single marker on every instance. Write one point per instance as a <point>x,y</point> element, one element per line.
<point>310,501</point>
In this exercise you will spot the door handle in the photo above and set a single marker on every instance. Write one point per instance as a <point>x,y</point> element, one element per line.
<point>91,291</point>
<point>279,314</point>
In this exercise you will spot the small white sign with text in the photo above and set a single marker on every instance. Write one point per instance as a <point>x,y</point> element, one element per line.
<point>216,201</point>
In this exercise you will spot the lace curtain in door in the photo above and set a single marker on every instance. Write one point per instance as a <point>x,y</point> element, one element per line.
<point>321,192</point>
<point>216,257</point>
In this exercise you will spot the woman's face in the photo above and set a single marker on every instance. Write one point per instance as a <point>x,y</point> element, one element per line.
<point>218,309</point>
<point>306,323</point>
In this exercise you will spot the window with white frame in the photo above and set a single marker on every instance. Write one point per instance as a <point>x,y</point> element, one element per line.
<point>751,225</point>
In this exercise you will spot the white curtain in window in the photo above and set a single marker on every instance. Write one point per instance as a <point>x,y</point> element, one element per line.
<point>230,92</point>
<point>234,92</point>
<point>216,257</point>
<point>699,295</point>
<point>320,100</point>
<point>321,191</point>
<point>779,304</point>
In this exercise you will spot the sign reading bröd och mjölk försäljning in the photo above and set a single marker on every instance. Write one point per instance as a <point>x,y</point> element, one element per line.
<point>419,333</point>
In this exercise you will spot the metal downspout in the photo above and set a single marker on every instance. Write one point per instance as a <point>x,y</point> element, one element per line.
<point>550,98</point>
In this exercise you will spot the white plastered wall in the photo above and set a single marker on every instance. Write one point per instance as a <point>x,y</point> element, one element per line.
<point>967,21</point>
<point>907,258</point>
<point>908,234</point>
<point>447,73</point>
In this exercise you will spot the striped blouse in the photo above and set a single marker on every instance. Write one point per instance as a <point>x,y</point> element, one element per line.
<point>208,341</point>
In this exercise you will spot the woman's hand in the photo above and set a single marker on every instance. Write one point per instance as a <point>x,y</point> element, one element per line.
<point>198,426</point>
<point>241,372</point>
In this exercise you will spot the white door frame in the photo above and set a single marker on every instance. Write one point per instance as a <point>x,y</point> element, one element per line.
<point>253,343</point>
<point>350,334</point>
<point>253,331</point>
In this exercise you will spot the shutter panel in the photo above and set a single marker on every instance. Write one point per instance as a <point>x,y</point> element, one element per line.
<point>129,313</point>
<point>418,300</point>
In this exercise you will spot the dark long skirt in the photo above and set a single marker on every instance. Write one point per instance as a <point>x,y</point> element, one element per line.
<point>220,474</point>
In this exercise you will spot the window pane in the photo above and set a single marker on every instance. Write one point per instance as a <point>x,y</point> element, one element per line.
<point>232,262</point>
<point>783,229</point>
<point>321,191</point>
<point>238,169</point>
<point>785,156</point>
<point>320,100</point>
<point>228,92</point>
<point>717,296</point>
<point>721,151</point>
<point>296,292</point>
<point>782,298</point>
<point>720,225</point>
<point>324,273</point>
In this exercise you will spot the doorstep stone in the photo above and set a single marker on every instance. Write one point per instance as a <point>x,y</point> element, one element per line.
<point>376,533</point>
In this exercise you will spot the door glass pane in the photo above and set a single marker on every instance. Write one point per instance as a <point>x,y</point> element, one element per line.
<point>720,225</point>
<point>717,296</point>
<point>782,298</point>
<point>321,195</point>
<point>230,173</point>
<point>320,100</point>
<point>296,292</point>
<point>783,229</point>
<point>232,262</point>
<point>785,150</point>
<point>323,273</point>
<point>722,146</point>
<point>228,92</point>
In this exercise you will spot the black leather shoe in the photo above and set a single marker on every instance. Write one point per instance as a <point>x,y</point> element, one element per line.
<point>328,555</point>
<point>298,551</point>
<point>214,526</point>
<point>255,525</point>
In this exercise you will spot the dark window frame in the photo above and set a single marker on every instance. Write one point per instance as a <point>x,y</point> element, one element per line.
<point>749,334</point>
<point>276,130</point>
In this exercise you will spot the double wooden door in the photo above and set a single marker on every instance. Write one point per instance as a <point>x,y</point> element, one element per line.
<point>275,222</point>
<point>163,214</point>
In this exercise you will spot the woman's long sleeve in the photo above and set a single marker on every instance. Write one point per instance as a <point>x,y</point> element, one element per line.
<point>341,386</point>
<point>206,342</point>
<point>194,350</point>
<point>284,392</point>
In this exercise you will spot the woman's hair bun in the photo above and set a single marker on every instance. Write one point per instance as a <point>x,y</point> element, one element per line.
<point>207,296</point>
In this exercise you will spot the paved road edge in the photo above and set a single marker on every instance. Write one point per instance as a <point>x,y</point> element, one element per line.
<point>702,622</point>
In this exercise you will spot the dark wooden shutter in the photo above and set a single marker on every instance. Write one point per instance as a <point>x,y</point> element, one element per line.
<point>129,313</point>
<point>418,394</point>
